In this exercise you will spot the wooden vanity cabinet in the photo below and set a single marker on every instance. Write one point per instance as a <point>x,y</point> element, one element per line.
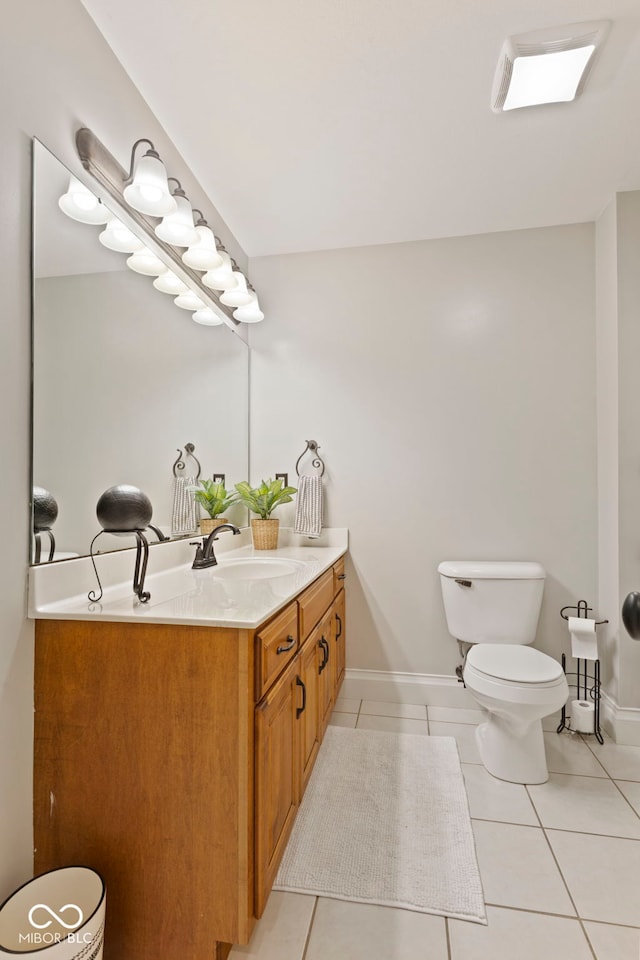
<point>173,760</point>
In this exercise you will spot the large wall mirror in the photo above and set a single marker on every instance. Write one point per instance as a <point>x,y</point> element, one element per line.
<point>123,379</point>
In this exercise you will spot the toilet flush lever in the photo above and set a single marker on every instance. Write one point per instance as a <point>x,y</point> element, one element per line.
<point>464,583</point>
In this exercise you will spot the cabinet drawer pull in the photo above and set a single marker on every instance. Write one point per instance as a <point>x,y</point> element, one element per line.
<point>339,619</point>
<point>341,576</point>
<point>300,710</point>
<point>289,646</point>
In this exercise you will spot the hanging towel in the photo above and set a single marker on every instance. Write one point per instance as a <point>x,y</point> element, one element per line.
<point>309,506</point>
<point>184,519</point>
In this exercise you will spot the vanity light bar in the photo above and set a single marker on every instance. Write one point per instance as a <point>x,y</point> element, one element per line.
<point>112,179</point>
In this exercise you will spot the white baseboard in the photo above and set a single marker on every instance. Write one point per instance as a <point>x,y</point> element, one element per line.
<point>431,689</point>
<point>621,723</point>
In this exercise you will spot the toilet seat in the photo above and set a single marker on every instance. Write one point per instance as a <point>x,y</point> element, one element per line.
<point>513,664</point>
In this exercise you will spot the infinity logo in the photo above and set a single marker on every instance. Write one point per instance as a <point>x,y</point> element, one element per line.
<point>56,916</point>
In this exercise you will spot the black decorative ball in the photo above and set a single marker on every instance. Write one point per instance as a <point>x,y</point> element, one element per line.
<point>631,615</point>
<point>45,509</point>
<point>124,509</point>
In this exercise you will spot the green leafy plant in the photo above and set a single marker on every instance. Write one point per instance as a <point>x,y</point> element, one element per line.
<point>213,497</point>
<point>264,499</point>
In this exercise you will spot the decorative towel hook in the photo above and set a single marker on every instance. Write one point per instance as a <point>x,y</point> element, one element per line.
<point>179,463</point>
<point>313,448</point>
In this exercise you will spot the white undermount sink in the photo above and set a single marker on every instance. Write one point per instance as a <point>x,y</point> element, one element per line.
<point>256,568</point>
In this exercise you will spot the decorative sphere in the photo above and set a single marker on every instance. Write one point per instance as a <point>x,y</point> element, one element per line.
<point>631,615</point>
<point>45,509</point>
<point>123,509</point>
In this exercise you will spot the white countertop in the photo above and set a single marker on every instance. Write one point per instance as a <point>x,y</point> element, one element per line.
<point>180,594</point>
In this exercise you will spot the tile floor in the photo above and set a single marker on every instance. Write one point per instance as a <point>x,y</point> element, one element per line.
<point>560,862</point>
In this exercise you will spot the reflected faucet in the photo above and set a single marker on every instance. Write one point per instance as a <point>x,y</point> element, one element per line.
<point>205,557</point>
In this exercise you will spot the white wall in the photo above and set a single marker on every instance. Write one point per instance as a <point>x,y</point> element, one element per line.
<point>56,73</point>
<point>451,386</point>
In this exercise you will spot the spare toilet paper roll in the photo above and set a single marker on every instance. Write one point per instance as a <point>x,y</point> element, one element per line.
<point>582,716</point>
<point>584,642</point>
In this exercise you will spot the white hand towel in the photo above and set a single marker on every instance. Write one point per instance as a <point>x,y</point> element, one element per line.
<point>184,519</point>
<point>309,506</point>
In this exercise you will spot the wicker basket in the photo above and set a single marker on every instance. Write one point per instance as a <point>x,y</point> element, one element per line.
<point>265,534</point>
<point>207,525</point>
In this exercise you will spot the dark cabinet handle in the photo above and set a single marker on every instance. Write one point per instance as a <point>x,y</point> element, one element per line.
<point>290,645</point>
<point>325,653</point>
<point>339,619</point>
<point>342,576</point>
<point>300,710</point>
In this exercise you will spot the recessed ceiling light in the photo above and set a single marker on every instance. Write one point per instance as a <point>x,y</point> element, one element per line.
<point>546,66</point>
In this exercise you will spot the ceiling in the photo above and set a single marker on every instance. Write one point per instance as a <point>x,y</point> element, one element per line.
<point>354,122</point>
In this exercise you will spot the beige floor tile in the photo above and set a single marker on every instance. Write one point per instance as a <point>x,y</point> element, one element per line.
<point>589,804</point>
<point>338,719</point>
<point>620,762</point>
<point>568,753</point>
<point>346,705</point>
<point>282,931</point>
<point>601,873</point>
<point>517,868</point>
<point>613,943</point>
<point>456,714</point>
<point>631,790</point>
<point>515,933</point>
<point>379,708</point>
<point>465,734</point>
<point>361,931</point>
<point>392,724</point>
<point>551,722</point>
<point>493,799</point>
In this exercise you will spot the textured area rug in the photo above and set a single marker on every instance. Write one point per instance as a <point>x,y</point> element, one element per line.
<point>385,820</point>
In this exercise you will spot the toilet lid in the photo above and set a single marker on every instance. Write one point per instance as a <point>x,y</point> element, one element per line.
<point>508,661</point>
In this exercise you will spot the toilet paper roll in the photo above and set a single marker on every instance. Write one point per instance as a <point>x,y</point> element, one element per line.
<point>584,642</point>
<point>582,716</point>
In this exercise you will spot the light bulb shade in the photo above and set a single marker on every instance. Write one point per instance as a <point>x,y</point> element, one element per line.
<point>117,237</point>
<point>167,282</point>
<point>189,301</point>
<point>237,296</point>
<point>149,191</point>
<point>222,278</point>
<point>146,262</point>
<point>203,254</point>
<point>82,205</point>
<point>177,228</point>
<point>251,313</point>
<point>207,317</point>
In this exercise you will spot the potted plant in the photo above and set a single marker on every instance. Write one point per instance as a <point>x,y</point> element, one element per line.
<point>262,501</point>
<point>215,500</point>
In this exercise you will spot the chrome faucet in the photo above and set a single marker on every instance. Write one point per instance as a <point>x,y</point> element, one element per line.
<point>205,557</point>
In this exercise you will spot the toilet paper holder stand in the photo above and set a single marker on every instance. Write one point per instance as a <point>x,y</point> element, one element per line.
<point>587,685</point>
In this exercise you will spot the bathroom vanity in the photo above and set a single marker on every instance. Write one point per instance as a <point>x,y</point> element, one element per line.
<point>173,746</point>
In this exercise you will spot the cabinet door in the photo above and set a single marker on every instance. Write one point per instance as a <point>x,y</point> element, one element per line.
<point>339,640</point>
<point>307,716</point>
<point>325,671</point>
<point>277,778</point>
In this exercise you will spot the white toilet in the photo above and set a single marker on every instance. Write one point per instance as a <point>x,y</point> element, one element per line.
<point>494,607</point>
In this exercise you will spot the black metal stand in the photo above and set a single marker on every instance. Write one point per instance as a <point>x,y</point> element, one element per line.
<point>586,685</point>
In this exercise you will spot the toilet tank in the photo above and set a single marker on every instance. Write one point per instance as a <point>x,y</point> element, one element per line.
<point>492,601</point>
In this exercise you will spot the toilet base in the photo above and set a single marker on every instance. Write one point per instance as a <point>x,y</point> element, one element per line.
<point>517,756</point>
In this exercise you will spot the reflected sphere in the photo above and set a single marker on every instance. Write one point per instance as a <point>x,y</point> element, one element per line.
<point>45,509</point>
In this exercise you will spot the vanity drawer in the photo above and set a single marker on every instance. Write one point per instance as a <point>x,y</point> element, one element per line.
<point>314,602</point>
<point>276,644</point>
<point>338,576</point>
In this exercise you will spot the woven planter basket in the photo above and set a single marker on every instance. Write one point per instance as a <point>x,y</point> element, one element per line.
<point>207,525</point>
<point>265,534</point>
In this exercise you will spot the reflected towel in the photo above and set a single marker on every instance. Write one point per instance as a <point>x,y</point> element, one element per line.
<point>309,506</point>
<point>184,519</point>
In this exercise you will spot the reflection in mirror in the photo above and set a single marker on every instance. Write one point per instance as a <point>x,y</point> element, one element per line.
<point>122,380</point>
